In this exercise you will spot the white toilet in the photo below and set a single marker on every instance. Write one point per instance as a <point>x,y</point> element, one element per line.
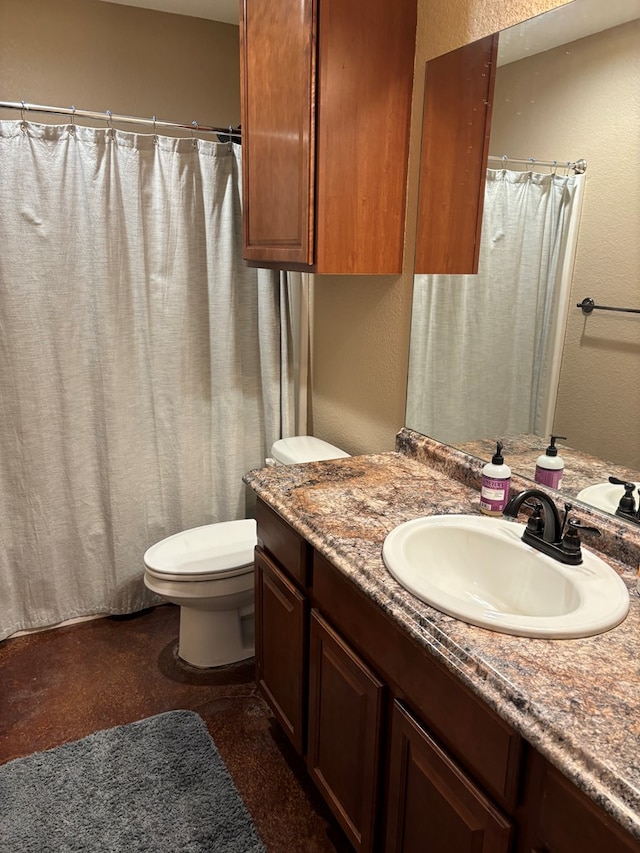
<point>208,572</point>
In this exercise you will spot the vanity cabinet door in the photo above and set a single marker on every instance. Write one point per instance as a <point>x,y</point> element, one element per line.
<point>281,630</point>
<point>326,91</point>
<point>432,804</point>
<point>345,714</point>
<point>564,820</point>
<point>455,147</point>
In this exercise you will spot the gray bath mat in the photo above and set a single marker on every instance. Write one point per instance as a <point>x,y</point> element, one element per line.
<point>155,786</point>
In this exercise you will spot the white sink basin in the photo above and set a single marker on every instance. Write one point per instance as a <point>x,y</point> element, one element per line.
<point>605,496</point>
<point>479,570</point>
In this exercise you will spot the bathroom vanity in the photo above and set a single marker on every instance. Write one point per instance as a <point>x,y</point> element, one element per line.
<point>420,731</point>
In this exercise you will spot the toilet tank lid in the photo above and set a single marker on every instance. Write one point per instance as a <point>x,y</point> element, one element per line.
<point>304,448</point>
<point>210,549</point>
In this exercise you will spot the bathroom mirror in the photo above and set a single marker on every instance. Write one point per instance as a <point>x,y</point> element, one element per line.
<point>491,357</point>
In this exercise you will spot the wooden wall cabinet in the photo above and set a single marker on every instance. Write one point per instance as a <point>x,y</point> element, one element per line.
<point>455,146</point>
<point>326,92</point>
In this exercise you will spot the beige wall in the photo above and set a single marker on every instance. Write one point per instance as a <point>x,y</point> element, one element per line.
<point>584,103</point>
<point>100,56</point>
<point>361,324</point>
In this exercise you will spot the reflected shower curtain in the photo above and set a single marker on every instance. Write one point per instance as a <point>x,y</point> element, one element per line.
<point>482,345</point>
<point>143,367</point>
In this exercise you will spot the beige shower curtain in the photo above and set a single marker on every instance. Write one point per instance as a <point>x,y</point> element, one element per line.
<point>143,367</point>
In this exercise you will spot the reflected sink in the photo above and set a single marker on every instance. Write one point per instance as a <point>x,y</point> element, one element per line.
<point>479,570</point>
<point>604,496</point>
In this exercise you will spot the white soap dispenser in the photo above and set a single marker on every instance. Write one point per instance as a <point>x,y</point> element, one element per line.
<point>494,489</point>
<point>550,466</point>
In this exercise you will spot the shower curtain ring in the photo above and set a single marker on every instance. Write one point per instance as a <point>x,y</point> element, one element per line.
<point>194,141</point>
<point>109,115</point>
<point>73,119</point>
<point>155,133</point>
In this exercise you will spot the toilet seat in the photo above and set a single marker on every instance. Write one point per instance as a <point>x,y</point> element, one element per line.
<point>304,448</point>
<point>210,552</point>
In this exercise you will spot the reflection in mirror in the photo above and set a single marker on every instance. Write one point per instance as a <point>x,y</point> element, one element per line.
<point>507,354</point>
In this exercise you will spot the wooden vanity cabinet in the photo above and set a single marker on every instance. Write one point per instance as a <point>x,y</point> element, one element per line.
<point>326,91</point>
<point>406,756</point>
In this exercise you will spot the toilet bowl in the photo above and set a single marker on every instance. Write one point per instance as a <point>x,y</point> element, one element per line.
<point>208,572</point>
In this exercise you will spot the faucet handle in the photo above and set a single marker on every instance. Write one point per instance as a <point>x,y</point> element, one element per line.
<point>571,540</point>
<point>627,502</point>
<point>576,524</point>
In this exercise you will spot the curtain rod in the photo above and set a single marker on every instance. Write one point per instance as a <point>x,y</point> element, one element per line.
<point>109,118</point>
<point>578,166</point>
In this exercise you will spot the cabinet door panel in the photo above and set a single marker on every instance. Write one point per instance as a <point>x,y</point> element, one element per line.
<point>281,647</point>
<point>453,163</point>
<point>345,709</point>
<point>277,80</point>
<point>433,806</point>
<point>365,71</point>
<point>566,819</point>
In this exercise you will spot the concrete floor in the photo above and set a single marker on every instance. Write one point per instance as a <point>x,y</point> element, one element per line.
<point>60,685</point>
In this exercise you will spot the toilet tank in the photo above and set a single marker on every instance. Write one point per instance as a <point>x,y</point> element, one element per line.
<point>303,448</point>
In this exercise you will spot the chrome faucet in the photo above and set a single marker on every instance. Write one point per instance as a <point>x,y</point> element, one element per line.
<point>545,530</point>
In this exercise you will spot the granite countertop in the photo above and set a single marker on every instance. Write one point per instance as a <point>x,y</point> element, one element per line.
<point>576,701</point>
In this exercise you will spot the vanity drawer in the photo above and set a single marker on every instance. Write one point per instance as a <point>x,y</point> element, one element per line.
<point>489,749</point>
<point>290,550</point>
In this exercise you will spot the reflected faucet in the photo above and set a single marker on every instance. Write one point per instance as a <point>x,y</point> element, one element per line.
<point>627,505</point>
<point>545,529</point>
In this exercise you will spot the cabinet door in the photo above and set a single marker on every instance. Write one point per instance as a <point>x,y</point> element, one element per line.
<point>433,806</point>
<point>345,709</point>
<point>366,54</point>
<point>565,820</point>
<point>281,619</point>
<point>455,147</point>
<point>277,48</point>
